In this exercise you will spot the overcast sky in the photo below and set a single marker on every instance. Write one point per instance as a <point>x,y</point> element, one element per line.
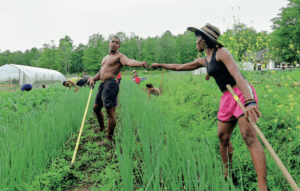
<point>25,24</point>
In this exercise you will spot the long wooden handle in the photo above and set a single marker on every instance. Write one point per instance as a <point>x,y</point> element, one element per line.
<point>162,76</point>
<point>264,140</point>
<point>81,128</point>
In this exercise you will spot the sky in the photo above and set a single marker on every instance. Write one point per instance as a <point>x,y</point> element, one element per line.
<point>25,24</point>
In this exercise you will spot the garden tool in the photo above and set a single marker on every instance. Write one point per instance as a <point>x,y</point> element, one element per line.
<point>162,75</point>
<point>81,128</point>
<point>264,140</point>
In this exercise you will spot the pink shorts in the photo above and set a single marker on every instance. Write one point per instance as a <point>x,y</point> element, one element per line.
<point>229,107</point>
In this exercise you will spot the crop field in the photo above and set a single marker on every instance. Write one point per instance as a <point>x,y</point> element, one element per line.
<point>34,127</point>
<point>194,103</point>
<point>7,87</point>
<point>164,143</point>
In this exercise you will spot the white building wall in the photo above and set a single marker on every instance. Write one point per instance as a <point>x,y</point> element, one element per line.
<point>271,65</point>
<point>246,66</point>
<point>199,71</point>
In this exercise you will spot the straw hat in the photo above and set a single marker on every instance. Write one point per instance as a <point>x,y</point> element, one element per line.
<point>207,32</point>
<point>133,71</point>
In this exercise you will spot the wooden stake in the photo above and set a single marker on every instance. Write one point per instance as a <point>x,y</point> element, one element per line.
<point>265,141</point>
<point>162,76</point>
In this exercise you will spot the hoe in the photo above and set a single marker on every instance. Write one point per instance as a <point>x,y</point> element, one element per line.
<point>81,128</point>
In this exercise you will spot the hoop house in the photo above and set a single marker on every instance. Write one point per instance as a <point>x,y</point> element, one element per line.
<point>28,74</point>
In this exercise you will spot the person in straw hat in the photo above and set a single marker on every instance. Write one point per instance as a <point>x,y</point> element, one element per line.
<point>222,67</point>
<point>134,75</point>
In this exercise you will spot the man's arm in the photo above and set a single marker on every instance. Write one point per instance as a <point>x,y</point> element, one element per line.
<point>148,94</point>
<point>198,63</point>
<point>97,77</point>
<point>76,88</point>
<point>72,82</point>
<point>133,63</point>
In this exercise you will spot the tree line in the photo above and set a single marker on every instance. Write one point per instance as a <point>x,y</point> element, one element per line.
<point>68,58</point>
<point>282,45</point>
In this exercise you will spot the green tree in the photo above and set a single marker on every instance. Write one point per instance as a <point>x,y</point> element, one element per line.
<point>165,51</point>
<point>76,58</point>
<point>132,47</point>
<point>65,54</point>
<point>148,49</point>
<point>49,57</point>
<point>18,58</point>
<point>239,40</point>
<point>286,28</point>
<point>68,39</point>
<point>185,47</point>
<point>5,57</point>
<point>33,57</point>
<point>27,57</point>
<point>96,49</point>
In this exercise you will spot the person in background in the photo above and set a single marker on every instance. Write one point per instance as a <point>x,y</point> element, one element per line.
<point>119,78</point>
<point>222,67</point>
<point>84,73</point>
<point>70,84</point>
<point>26,87</point>
<point>134,75</point>
<point>152,90</point>
<point>137,79</point>
<point>43,86</point>
<point>84,81</point>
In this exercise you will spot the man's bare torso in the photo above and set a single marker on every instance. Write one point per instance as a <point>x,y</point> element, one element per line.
<point>110,66</point>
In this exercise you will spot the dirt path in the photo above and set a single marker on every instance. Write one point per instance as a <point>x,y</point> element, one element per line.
<point>89,166</point>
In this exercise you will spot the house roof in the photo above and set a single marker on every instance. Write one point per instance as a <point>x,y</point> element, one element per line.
<point>256,55</point>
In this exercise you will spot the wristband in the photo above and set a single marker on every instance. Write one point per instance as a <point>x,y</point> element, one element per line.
<point>252,103</point>
<point>250,100</point>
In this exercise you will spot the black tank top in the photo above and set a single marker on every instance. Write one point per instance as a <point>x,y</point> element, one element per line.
<point>219,72</point>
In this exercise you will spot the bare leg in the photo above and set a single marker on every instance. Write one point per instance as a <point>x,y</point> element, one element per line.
<point>111,122</point>
<point>99,116</point>
<point>226,149</point>
<point>256,151</point>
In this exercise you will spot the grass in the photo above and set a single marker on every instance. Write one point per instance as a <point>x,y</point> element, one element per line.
<point>151,145</point>
<point>194,103</point>
<point>148,154</point>
<point>170,142</point>
<point>30,142</point>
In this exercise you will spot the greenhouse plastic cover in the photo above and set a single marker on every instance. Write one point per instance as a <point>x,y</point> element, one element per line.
<point>28,74</point>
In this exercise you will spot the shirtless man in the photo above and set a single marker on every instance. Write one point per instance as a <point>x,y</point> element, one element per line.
<point>109,87</point>
<point>152,90</point>
<point>69,84</point>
